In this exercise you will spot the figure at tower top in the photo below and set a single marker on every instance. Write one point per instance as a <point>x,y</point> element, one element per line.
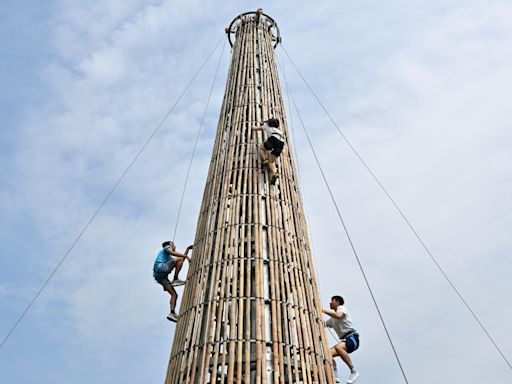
<point>259,17</point>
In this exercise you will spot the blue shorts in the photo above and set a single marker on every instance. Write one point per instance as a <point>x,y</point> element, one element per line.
<point>161,272</point>
<point>351,342</point>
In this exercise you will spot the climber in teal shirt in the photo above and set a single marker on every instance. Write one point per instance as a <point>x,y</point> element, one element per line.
<point>168,259</point>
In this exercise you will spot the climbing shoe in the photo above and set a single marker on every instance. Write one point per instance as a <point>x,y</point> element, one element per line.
<point>353,377</point>
<point>177,282</point>
<point>274,178</point>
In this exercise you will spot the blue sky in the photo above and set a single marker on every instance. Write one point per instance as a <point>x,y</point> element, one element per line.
<point>421,89</point>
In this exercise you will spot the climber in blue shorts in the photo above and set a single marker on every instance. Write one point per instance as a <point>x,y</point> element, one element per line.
<point>167,260</point>
<point>342,324</point>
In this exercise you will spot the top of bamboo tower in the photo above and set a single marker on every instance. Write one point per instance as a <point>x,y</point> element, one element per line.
<point>259,17</point>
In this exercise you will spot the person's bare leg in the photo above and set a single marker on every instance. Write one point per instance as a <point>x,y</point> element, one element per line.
<point>341,351</point>
<point>334,367</point>
<point>178,264</point>
<point>263,152</point>
<point>174,296</point>
<point>272,164</point>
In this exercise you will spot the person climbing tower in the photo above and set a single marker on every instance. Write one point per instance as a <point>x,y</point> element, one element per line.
<point>168,259</point>
<point>274,144</point>
<point>342,324</point>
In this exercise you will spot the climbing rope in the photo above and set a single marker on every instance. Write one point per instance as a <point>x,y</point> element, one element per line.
<point>402,214</point>
<point>280,64</point>
<point>198,134</point>
<point>342,221</point>
<point>107,197</point>
<point>299,174</point>
<point>289,97</point>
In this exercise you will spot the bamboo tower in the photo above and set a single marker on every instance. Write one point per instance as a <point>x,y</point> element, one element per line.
<point>250,311</point>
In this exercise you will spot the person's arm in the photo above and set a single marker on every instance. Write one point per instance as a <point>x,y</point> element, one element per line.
<point>188,249</point>
<point>333,314</point>
<point>182,255</point>
<point>256,128</point>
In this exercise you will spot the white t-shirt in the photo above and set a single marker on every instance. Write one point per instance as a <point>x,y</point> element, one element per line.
<point>273,131</point>
<point>341,326</point>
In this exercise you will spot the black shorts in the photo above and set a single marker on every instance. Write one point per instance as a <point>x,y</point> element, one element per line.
<point>275,145</point>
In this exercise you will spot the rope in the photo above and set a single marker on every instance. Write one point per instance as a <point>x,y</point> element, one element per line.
<point>195,144</point>
<point>350,242</point>
<point>400,212</point>
<point>292,130</point>
<point>281,64</point>
<point>107,197</point>
<point>288,97</point>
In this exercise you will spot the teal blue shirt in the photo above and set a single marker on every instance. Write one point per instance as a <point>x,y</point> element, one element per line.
<point>163,256</point>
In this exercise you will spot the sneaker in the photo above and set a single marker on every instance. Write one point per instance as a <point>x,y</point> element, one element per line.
<point>335,369</point>
<point>353,377</point>
<point>274,178</point>
<point>172,317</point>
<point>177,282</point>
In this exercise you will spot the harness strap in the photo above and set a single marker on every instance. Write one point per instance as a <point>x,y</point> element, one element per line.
<point>352,332</point>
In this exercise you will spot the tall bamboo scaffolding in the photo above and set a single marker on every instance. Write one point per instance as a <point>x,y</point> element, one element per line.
<point>250,311</point>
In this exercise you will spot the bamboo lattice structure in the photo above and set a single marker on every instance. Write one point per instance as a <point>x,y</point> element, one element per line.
<point>250,311</point>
